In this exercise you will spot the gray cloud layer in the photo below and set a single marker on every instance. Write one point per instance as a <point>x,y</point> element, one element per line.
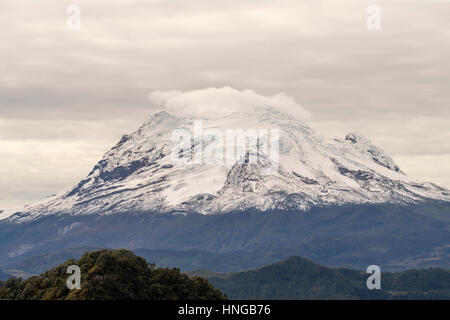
<point>67,95</point>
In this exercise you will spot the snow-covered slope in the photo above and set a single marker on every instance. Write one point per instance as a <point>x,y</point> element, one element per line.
<point>140,174</point>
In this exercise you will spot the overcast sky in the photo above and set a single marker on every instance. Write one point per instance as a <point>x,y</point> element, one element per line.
<point>66,96</point>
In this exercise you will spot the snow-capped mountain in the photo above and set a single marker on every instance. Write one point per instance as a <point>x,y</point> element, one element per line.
<point>140,173</point>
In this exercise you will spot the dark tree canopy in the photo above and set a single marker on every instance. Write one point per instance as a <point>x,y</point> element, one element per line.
<point>112,274</point>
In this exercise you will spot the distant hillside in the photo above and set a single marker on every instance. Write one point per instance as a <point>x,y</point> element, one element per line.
<point>398,238</point>
<point>184,260</point>
<point>298,278</point>
<point>111,275</point>
<point>195,259</point>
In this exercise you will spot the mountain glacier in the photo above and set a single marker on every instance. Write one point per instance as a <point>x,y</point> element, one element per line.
<point>139,173</point>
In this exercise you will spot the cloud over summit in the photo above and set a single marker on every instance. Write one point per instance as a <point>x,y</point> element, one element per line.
<point>213,103</point>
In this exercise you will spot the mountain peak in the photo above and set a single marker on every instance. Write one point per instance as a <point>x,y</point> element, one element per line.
<point>140,173</point>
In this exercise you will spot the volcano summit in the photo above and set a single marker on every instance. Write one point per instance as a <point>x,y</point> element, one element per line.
<point>323,195</point>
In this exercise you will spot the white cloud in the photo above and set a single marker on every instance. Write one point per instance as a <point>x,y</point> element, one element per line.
<point>213,103</point>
